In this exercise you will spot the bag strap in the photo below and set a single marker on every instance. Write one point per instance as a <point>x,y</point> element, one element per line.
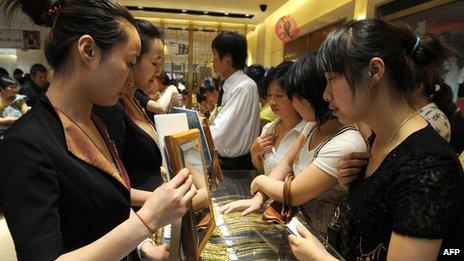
<point>288,190</point>
<point>344,129</point>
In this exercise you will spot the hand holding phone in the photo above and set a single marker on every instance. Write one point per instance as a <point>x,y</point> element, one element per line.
<point>291,227</point>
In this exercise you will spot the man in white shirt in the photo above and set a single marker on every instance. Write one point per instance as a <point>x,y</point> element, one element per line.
<point>237,124</point>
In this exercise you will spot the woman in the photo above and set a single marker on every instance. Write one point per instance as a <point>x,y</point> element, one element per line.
<point>277,136</point>
<point>314,155</point>
<point>129,124</point>
<point>435,104</point>
<point>168,96</point>
<point>12,105</point>
<point>210,89</point>
<point>64,191</point>
<point>408,202</point>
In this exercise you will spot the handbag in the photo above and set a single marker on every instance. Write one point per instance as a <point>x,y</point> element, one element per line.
<point>278,213</point>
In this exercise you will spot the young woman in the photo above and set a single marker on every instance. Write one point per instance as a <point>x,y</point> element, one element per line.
<point>12,104</point>
<point>408,202</point>
<point>63,189</point>
<point>314,155</point>
<point>129,124</point>
<point>277,136</point>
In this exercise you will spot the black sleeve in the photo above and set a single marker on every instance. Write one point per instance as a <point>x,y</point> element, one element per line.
<point>142,98</point>
<point>29,192</point>
<point>426,199</point>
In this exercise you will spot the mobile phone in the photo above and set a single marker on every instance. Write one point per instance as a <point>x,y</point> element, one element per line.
<point>291,227</point>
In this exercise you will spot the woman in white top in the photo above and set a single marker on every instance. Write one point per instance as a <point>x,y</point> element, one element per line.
<point>277,136</point>
<point>314,155</point>
<point>423,98</point>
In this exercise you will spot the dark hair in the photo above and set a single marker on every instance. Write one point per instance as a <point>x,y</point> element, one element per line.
<point>72,19</point>
<point>234,44</point>
<point>276,74</point>
<point>408,59</point>
<point>200,97</point>
<point>305,81</point>
<point>164,78</point>
<point>3,72</point>
<point>257,73</point>
<point>209,84</point>
<point>6,81</point>
<point>37,68</point>
<point>147,32</point>
<point>18,71</point>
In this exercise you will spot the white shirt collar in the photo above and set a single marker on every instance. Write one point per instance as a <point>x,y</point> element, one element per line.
<point>232,80</point>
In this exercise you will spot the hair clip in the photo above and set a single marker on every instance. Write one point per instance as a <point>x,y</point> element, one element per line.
<point>54,9</point>
<point>415,46</point>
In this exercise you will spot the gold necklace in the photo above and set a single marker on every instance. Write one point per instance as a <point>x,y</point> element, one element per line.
<point>391,137</point>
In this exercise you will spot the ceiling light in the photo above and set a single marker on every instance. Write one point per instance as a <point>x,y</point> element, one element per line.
<point>205,12</point>
<point>226,13</point>
<point>247,15</point>
<point>184,11</point>
<point>140,7</point>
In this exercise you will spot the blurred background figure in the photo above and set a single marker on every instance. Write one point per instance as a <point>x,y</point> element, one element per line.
<point>37,86</point>
<point>12,105</point>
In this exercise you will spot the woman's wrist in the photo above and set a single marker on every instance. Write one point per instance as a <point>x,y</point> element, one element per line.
<point>148,221</point>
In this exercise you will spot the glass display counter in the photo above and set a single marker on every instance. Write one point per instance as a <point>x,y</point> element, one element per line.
<point>245,238</point>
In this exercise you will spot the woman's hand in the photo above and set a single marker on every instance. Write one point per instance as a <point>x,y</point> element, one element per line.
<point>155,253</point>
<point>349,167</point>
<point>170,201</point>
<point>263,144</point>
<point>247,205</point>
<point>307,247</point>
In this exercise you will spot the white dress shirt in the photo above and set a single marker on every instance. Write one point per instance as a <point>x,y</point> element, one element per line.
<point>276,155</point>
<point>237,124</point>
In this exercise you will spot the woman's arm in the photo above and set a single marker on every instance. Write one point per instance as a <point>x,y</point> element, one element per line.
<point>309,184</point>
<point>167,203</point>
<point>410,248</point>
<point>7,120</point>
<point>154,107</point>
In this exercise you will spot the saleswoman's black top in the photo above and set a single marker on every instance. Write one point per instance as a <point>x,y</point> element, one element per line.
<point>57,191</point>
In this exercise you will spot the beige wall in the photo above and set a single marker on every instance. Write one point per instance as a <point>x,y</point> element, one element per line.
<point>23,59</point>
<point>264,46</point>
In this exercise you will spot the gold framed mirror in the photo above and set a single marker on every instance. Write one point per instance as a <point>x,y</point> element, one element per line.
<point>185,151</point>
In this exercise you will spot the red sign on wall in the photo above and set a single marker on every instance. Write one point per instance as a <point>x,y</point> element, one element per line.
<point>286,29</point>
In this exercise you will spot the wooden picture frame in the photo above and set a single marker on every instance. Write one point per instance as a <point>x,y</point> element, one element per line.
<point>216,165</point>
<point>185,151</point>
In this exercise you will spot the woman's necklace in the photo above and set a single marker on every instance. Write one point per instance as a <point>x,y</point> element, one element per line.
<point>391,138</point>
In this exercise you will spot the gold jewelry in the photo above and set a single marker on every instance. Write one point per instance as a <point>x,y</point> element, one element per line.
<point>391,137</point>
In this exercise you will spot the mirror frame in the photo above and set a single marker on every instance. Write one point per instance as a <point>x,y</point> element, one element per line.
<point>189,235</point>
<point>216,165</point>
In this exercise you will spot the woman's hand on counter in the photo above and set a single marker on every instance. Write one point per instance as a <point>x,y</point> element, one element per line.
<point>307,247</point>
<point>247,205</point>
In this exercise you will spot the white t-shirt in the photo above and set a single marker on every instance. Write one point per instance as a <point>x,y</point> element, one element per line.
<point>274,156</point>
<point>329,154</point>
